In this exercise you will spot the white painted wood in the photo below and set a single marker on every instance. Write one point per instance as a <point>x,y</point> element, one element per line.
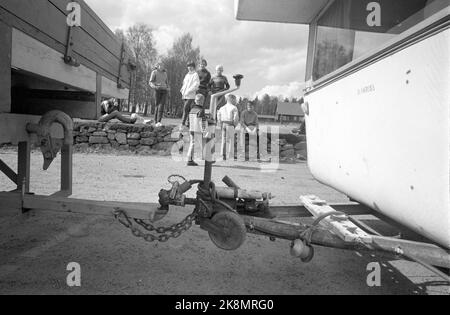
<point>382,136</point>
<point>109,89</point>
<point>32,56</point>
<point>13,128</point>
<point>343,228</point>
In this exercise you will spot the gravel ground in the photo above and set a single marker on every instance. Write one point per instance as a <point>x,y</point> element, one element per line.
<point>35,248</point>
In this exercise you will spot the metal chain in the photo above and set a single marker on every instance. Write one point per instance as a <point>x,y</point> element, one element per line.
<point>165,233</point>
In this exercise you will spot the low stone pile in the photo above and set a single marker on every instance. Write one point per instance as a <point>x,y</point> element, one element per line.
<point>96,136</point>
<point>293,148</point>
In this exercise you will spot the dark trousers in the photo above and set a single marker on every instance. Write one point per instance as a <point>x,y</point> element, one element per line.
<point>207,97</point>
<point>186,109</point>
<point>161,97</point>
<point>247,146</point>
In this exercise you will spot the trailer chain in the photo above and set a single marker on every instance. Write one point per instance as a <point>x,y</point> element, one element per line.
<point>164,233</point>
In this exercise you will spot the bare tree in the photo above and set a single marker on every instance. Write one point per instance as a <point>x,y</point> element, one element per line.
<point>139,39</point>
<point>175,63</point>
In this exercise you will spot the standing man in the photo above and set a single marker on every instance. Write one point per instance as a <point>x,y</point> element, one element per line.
<point>191,84</point>
<point>198,127</point>
<point>160,82</point>
<point>250,125</point>
<point>205,78</point>
<point>228,119</point>
<point>219,83</point>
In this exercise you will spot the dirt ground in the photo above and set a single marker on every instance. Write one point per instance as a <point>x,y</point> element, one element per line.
<point>36,248</point>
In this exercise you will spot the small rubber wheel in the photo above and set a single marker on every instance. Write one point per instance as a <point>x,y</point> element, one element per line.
<point>234,231</point>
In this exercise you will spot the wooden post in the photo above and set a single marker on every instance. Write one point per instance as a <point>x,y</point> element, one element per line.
<point>98,95</point>
<point>23,166</point>
<point>66,169</point>
<point>5,68</point>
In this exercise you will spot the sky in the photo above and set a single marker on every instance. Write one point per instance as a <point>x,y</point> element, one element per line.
<point>271,56</point>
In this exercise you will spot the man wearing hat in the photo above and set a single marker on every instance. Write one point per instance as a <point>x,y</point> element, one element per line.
<point>188,91</point>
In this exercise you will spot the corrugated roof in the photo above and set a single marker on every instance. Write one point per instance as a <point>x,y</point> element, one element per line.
<point>290,109</point>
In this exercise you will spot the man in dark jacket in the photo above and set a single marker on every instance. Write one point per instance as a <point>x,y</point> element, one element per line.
<point>219,83</point>
<point>205,78</point>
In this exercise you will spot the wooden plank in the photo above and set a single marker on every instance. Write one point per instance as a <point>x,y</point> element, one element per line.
<point>5,68</point>
<point>135,210</point>
<point>66,169</point>
<point>24,166</point>
<point>93,25</point>
<point>54,25</point>
<point>109,89</point>
<point>21,25</point>
<point>144,211</point>
<point>296,211</point>
<point>32,56</point>
<point>430,253</point>
<point>344,228</point>
<point>38,102</point>
<point>292,231</point>
<point>8,172</point>
<point>13,128</point>
<point>98,96</point>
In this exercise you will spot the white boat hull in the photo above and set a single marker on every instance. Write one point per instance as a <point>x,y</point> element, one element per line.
<point>382,136</point>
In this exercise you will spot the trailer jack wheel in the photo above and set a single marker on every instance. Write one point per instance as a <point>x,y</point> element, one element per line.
<point>233,231</point>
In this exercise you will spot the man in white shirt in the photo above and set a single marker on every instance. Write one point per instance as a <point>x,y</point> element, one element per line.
<point>228,119</point>
<point>191,84</point>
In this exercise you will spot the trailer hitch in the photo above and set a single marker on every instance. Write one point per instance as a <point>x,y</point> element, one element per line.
<point>50,146</point>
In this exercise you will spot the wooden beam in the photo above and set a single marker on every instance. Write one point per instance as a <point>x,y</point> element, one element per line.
<point>144,211</point>
<point>66,169</point>
<point>32,56</point>
<point>343,227</point>
<point>299,211</point>
<point>43,17</point>
<point>98,96</point>
<point>76,104</point>
<point>13,128</point>
<point>24,166</point>
<point>8,172</point>
<point>109,89</point>
<point>5,68</point>
<point>292,231</point>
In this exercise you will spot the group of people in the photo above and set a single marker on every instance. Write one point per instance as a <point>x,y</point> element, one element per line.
<point>230,121</point>
<point>195,82</point>
<point>198,86</point>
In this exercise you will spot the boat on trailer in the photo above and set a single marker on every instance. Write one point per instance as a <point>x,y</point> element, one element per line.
<point>371,120</point>
<point>377,102</point>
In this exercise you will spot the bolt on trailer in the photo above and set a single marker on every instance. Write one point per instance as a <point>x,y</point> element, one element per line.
<point>56,59</point>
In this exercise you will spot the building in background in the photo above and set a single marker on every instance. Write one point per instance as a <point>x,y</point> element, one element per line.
<point>289,112</point>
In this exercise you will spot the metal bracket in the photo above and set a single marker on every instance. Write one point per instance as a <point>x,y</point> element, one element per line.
<point>68,58</point>
<point>121,64</point>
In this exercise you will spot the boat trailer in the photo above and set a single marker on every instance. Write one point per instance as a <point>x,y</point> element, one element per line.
<point>227,213</point>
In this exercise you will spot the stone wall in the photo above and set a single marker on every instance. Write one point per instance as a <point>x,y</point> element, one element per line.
<point>293,148</point>
<point>96,137</point>
<point>145,139</point>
